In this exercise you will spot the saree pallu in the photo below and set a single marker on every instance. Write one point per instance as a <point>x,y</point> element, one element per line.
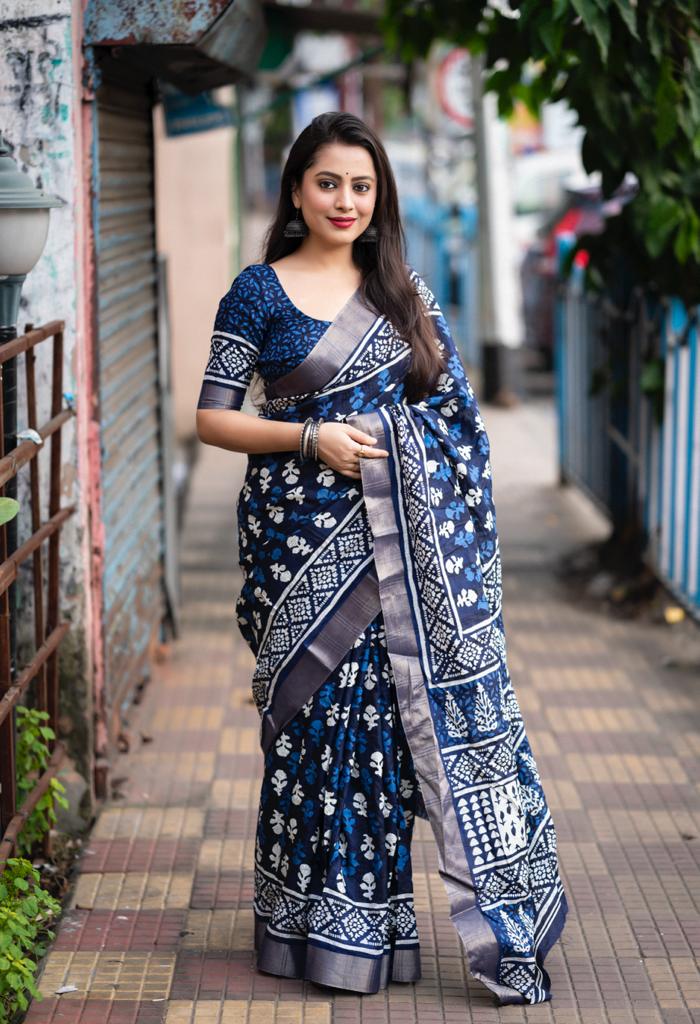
<point>412,551</point>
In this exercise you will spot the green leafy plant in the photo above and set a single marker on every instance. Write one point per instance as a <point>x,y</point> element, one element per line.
<point>25,911</point>
<point>8,510</point>
<point>32,757</point>
<point>630,69</point>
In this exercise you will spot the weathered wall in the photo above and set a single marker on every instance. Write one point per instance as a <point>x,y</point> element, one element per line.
<point>41,116</point>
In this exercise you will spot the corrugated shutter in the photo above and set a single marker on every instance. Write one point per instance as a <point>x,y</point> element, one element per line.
<point>132,500</point>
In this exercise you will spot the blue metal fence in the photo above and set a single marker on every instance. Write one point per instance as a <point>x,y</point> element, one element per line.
<point>442,247</point>
<point>612,443</point>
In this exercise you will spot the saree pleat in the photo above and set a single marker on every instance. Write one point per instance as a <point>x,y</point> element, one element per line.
<point>333,884</point>
<point>374,610</point>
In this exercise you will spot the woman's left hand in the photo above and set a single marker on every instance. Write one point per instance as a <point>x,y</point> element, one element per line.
<point>340,444</point>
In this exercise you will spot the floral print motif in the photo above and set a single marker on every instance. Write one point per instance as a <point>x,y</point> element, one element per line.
<point>337,807</point>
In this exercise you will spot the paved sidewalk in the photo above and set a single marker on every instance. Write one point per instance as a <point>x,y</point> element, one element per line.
<point>160,925</point>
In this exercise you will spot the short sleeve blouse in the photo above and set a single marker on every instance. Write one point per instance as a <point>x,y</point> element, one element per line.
<point>236,343</point>
<point>257,327</point>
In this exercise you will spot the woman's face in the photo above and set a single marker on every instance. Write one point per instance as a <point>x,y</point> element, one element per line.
<point>338,192</point>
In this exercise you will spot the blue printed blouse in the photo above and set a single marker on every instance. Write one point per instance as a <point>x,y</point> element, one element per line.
<point>257,326</point>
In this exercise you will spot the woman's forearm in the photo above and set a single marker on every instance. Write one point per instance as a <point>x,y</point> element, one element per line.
<point>239,432</point>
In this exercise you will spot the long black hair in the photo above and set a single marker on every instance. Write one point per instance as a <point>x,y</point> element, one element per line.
<point>386,286</point>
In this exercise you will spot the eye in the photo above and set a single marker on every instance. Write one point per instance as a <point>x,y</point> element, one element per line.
<point>364,186</point>
<point>326,181</point>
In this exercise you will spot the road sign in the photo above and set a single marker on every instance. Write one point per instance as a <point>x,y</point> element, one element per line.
<point>454,87</point>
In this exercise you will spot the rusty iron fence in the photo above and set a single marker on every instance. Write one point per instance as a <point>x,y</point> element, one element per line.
<point>49,631</point>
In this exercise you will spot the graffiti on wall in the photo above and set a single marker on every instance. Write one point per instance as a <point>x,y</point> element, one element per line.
<point>37,90</point>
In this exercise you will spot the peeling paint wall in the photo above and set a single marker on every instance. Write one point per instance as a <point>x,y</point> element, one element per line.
<point>151,21</point>
<point>42,118</point>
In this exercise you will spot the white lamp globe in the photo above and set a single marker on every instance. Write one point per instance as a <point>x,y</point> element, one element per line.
<point>24,217</point>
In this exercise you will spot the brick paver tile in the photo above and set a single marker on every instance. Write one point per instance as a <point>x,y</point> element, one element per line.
<point>159,927</point>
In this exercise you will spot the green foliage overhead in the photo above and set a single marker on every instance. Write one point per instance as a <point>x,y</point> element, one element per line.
<point>631,71</point>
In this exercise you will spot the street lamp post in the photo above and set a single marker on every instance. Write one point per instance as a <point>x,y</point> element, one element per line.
<point>24,225</point>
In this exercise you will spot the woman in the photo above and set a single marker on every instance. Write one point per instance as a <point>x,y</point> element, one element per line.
<point>372,599</point>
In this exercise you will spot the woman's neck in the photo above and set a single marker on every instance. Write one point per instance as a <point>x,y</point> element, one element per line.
<point>334,260</point>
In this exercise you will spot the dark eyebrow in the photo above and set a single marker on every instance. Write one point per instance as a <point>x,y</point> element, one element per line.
<point>330,174</point>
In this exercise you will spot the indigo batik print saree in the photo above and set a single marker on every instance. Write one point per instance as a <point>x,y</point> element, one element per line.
<point>374,611</point>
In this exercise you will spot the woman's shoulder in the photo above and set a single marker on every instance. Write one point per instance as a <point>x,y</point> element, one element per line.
<point>253,276</point>
<point>246,307</point>
<point>252,286</point>
<point>414,277</point>
<point>422,288</point>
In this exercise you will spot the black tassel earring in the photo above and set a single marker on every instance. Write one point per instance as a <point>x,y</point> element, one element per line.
<point>296,228</point>
<point>370,234</point>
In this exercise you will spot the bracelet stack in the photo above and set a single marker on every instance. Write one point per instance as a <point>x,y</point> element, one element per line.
<point>308,443</point>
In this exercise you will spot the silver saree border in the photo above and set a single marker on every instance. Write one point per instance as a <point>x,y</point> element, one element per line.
<point>474,930</point>
<point>329,354</point>
<point>323,654</point>
<point>332,350</point>
<point>337,968</point>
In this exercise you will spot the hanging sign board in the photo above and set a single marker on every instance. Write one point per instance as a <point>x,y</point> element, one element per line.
<point>185,114</point>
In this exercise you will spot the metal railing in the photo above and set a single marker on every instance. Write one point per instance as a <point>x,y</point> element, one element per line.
<point>632,447</point>
<point>49,631</point>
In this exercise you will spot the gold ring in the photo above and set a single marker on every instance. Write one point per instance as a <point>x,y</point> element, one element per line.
<point>361,450</point>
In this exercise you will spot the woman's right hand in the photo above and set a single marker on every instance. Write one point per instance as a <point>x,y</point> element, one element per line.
<point>339,444</point>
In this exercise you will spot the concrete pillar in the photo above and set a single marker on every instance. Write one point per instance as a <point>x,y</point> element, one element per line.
<point>500,298</point>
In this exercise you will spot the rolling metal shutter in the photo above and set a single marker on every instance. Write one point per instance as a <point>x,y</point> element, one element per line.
<point>132,491</point>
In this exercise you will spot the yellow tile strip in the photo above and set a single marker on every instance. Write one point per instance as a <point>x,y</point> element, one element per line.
<point>108,975</point>
<point>240,1011</point>
<point>132,890</point>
